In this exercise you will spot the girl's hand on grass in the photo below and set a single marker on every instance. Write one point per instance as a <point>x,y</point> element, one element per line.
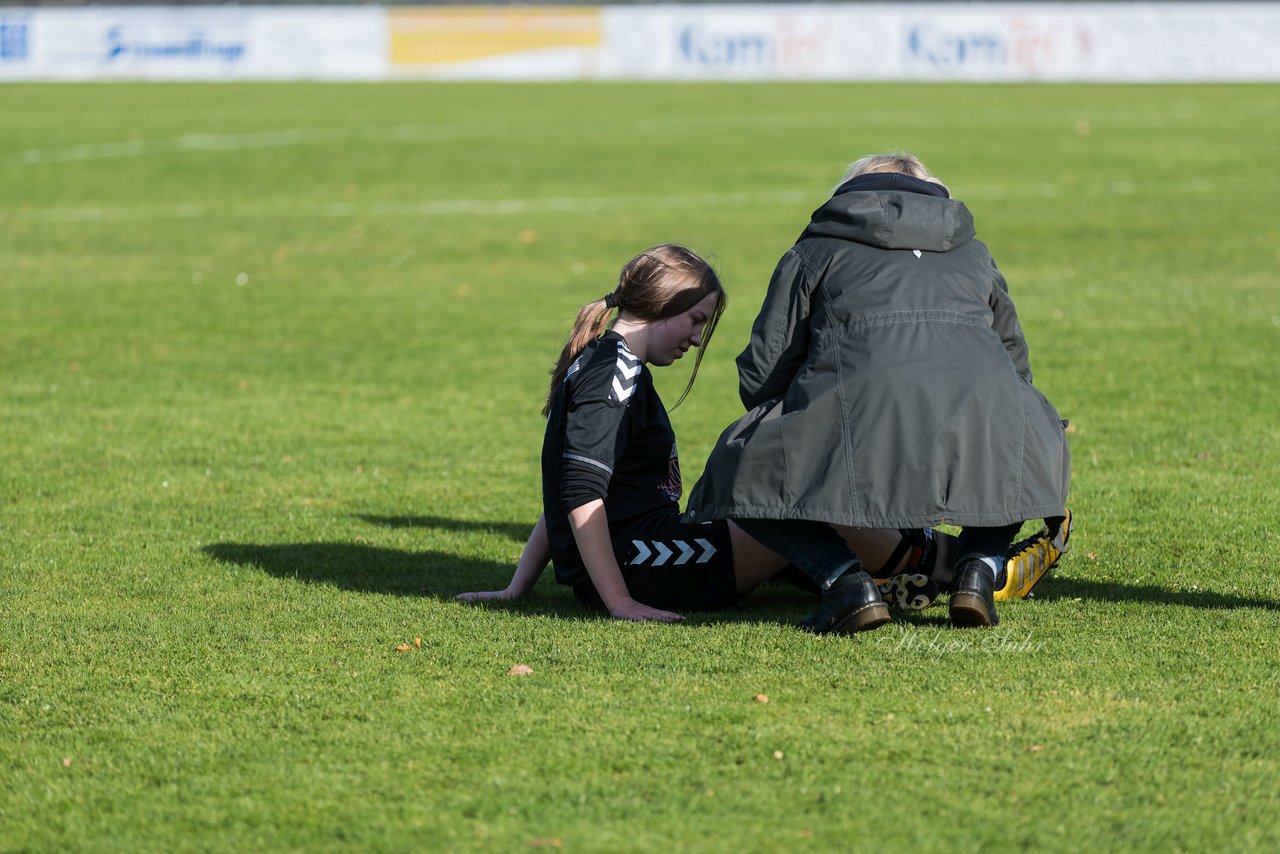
<point>486,595</point>
<point>630,609</point>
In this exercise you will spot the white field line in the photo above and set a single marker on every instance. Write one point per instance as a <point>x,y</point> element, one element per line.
<point>586,205</point>
<point>145,148</point>
<point>233,142</point>
<point>425,208</point>
<point>293,137</point>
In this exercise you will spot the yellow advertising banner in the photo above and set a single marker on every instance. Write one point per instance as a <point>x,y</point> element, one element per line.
<point>427,37</point>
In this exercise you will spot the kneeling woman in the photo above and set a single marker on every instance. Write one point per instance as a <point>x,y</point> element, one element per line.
<point>610,474</point>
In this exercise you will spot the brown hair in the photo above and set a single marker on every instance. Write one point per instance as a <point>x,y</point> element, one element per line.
<point>658,283</point>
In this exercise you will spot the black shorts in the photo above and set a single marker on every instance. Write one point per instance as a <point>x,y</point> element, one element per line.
<point>673,566</point>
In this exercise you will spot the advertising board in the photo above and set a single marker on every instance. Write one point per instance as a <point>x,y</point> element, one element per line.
<point>1122,42</point>
<point>193,43</point>
<point>1140,42</point>
<point>523,42</point>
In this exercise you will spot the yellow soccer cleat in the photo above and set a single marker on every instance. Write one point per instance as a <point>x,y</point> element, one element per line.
<point>1030,559</point>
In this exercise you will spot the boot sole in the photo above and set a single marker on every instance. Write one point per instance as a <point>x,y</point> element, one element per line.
<point>970,611</point>
<point>873,615</point>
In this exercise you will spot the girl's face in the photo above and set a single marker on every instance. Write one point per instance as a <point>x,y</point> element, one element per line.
<point>671,337</point>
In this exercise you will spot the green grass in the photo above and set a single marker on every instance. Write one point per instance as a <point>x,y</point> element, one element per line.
<point>223,505</point>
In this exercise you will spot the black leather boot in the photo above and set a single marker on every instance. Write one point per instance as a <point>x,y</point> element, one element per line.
<point>851,604</point>
<point>973,595</point>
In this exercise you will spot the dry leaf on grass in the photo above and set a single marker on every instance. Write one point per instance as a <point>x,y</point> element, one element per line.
<point>66,762</point>
<point>545,843</point>
<point>520,670</point>
<point>417,642</point>
<point>1034,748</point>
<point>404,647</point>
<point>762,698</point>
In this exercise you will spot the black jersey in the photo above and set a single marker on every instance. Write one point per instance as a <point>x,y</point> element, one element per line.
<point>608,437</point>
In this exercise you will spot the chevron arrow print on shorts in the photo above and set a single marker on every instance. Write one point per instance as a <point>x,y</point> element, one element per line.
<point>660,552</point>
<point>625,375</point>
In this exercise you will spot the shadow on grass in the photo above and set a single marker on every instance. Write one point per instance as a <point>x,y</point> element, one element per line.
<point>511,530</point>
<point>370,569</point>
<point>365,568</point>
<point>355,566</point>
<point>1112,591</point>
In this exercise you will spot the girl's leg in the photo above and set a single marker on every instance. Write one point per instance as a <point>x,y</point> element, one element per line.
<point>911,566</point>
<point>812,547</point>
<point>875,546</point>
<point>753,563</point>
<point>849,600</point>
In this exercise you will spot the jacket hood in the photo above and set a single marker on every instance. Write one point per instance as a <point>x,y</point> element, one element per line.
<point>889,210</point>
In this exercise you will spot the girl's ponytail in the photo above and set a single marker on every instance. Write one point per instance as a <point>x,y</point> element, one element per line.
<point>590,325</point>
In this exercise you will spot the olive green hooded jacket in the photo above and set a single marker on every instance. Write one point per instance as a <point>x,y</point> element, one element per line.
<point>887,381</point>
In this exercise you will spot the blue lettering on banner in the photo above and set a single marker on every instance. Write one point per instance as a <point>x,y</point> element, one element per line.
<point>13,40</point>
<point>949,50</point>
<point>719,50</point>
<point>195,45</point>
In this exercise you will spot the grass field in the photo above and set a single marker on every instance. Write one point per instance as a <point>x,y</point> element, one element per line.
<point>273,357</point>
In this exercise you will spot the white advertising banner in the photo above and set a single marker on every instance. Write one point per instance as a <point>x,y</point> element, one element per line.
<point>742,43</point>
<point>1121,42</point>
<point>1005,42</point>
<point>193,43</point>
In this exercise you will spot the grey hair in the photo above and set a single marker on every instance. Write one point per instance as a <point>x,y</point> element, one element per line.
<point>896,161</point>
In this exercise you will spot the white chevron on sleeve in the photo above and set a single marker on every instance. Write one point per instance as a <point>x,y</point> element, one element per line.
<point>708,550</point>
<point>663,553</point>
